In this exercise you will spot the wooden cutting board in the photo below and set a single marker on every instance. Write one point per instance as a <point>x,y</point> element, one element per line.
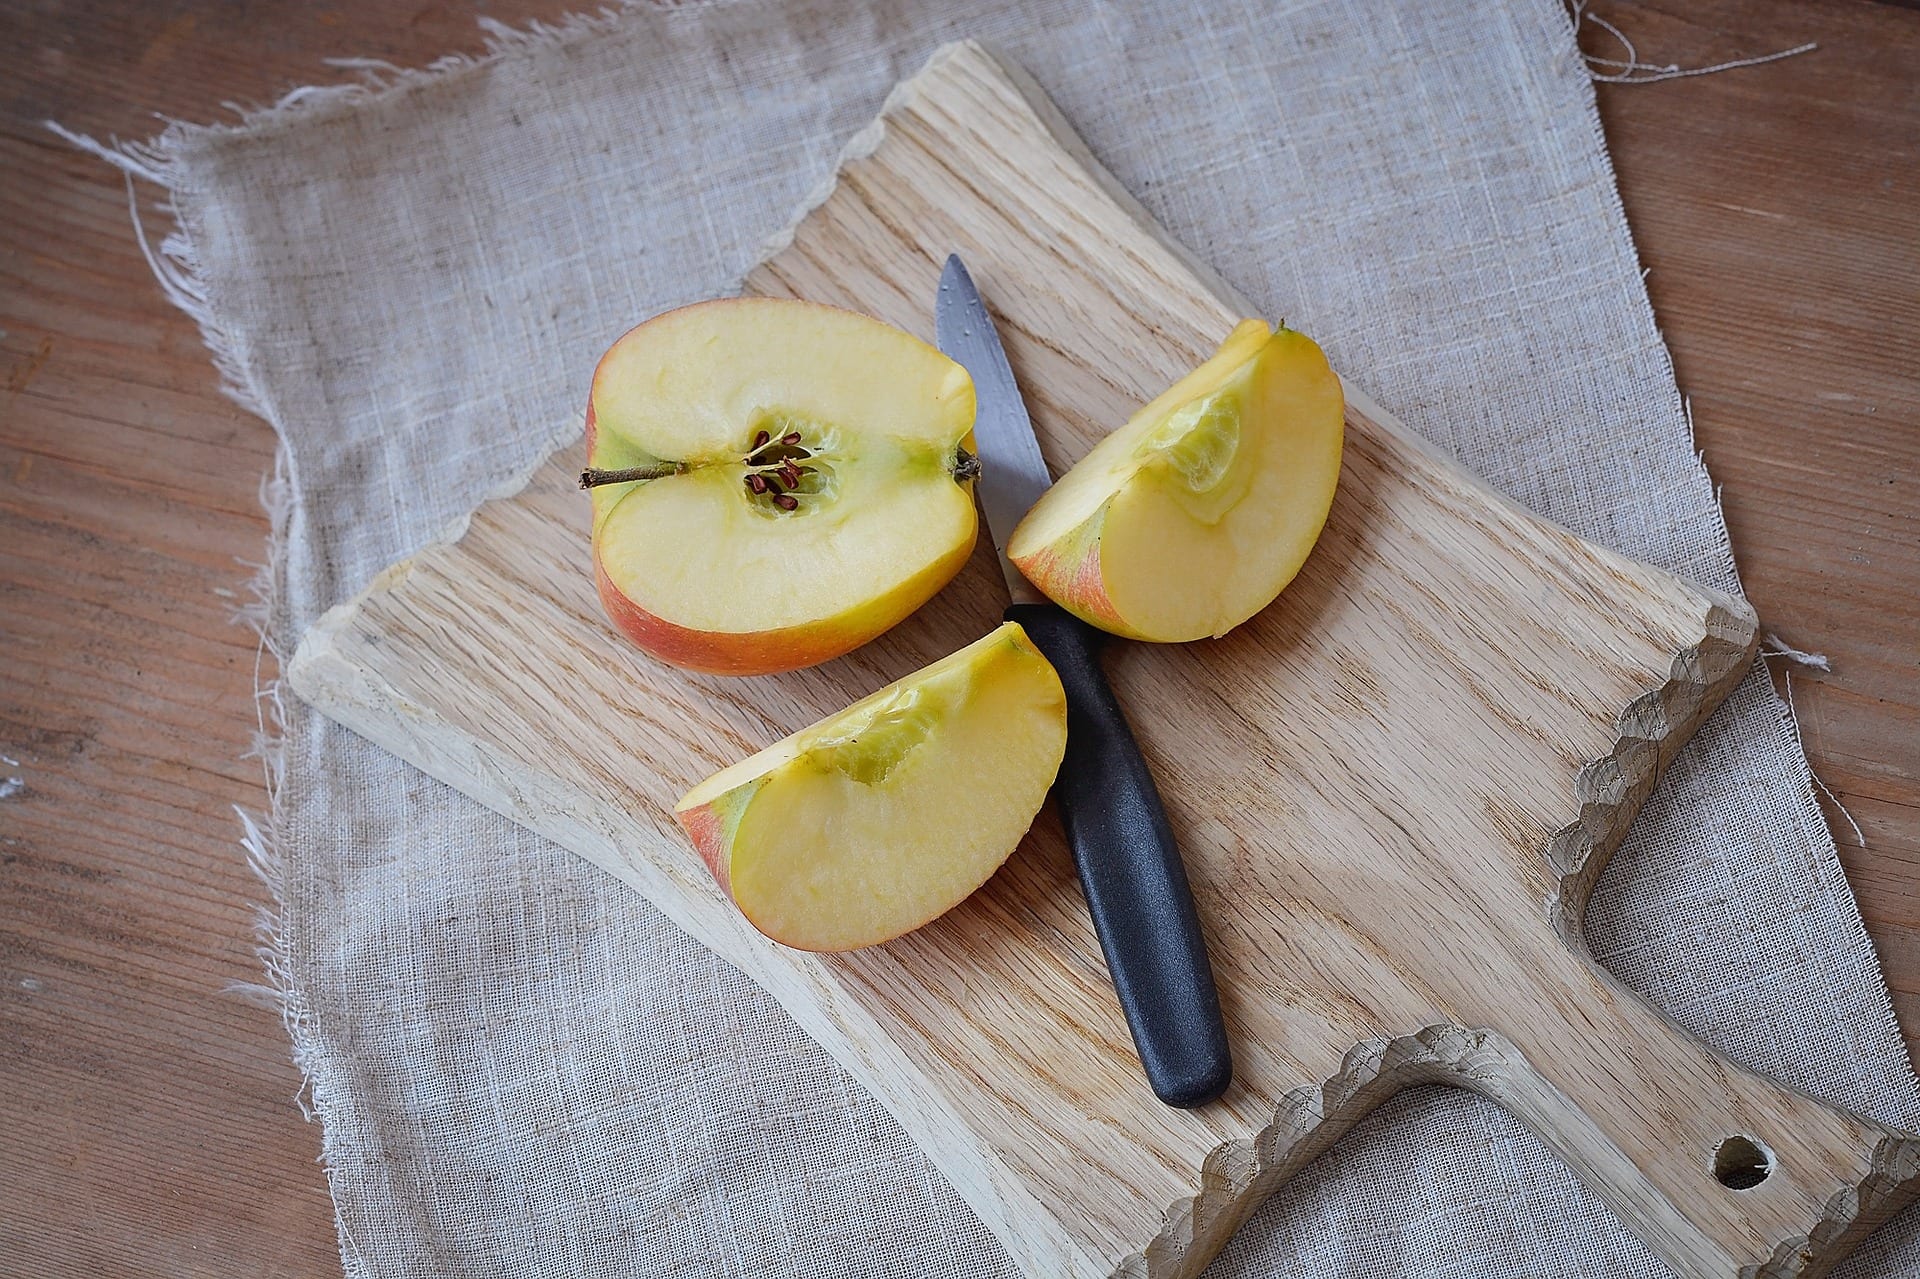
<point>1395,788</point>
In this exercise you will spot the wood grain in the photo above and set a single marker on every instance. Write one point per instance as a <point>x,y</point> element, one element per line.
<point>147,1124</point>
<point>1371,927</point>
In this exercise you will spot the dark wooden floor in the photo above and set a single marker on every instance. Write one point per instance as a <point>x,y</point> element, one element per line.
<point>148,1123</point>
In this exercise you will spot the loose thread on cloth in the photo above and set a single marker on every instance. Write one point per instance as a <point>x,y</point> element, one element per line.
<point>1721,537</point>
<point>177,268</point>
<point>261,833</point>
<point>1818,662</point>
<point>1773,646</point>
<point>263,837</point>
<point>1630,70</point>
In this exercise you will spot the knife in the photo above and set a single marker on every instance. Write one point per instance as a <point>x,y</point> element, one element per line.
<point>1129,865</point>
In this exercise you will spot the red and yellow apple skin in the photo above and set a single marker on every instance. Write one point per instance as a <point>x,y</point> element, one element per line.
<point>1196,513</point>
<point>788,648</point>
<point>886,815</point>
<point>703,570</point>
<point>711,825</point>
<point>1069,570</point>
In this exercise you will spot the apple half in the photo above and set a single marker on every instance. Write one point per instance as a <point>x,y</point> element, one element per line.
<point>1195,514</point>
<point>882,817</point>
<point>774,482</point>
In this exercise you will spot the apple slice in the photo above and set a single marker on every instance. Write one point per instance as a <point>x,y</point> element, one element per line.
<point>774,482</point>
<point>1190,518</point>
<point>890,813</point>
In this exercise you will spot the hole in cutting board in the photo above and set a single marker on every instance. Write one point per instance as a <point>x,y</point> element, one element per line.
<point>1741,1163</point>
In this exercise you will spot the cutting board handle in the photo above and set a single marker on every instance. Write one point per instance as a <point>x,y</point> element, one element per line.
<point>1723,1172</point>
<point>1718,1168</point>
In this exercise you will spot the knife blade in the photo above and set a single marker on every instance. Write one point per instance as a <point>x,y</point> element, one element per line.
<point>1123,847</point>
<point>1013,475</point>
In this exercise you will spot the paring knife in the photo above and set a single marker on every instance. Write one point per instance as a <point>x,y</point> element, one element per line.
<point>1129,866</point>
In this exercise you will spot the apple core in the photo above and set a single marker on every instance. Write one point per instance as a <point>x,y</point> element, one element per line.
<point>774,482</point>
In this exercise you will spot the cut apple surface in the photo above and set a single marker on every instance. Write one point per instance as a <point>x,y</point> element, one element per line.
<point>1191,517</point>
<point>774,482</point>
<point>875,820</point>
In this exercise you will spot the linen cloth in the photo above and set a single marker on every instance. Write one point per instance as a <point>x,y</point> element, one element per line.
<point>522,1068</point>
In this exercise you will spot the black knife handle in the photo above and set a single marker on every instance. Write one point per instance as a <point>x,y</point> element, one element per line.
<point>1131,871</point>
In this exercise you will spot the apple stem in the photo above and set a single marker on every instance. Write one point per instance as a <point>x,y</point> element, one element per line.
<point>594,477</point>
<point>965,467</point>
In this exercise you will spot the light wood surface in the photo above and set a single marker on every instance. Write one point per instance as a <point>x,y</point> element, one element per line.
<point>1394,788</point>
<point>147,1119</point>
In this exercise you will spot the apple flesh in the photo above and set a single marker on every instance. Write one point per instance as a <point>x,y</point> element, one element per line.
<point>1193,516</point>
<point>774,482</point>
<point>882,817</point>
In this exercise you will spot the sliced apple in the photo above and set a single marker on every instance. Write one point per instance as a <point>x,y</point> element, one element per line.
<point>890,813</point>
<point>1190,518</point>
<point>774,482</point>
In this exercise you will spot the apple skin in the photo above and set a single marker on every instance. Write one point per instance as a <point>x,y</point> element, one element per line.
<point>1068,572</point>
<point>710,828</point>
<point>769,652</point>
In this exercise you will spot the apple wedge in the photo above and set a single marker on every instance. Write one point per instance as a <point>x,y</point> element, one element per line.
<point>1191,517</point>
<point>774,482</point>
<point>875,820</point>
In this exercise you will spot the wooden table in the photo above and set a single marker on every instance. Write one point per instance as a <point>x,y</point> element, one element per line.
<point>148,1115</point>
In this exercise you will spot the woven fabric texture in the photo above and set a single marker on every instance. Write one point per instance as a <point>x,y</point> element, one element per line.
<point>522,1069</point>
